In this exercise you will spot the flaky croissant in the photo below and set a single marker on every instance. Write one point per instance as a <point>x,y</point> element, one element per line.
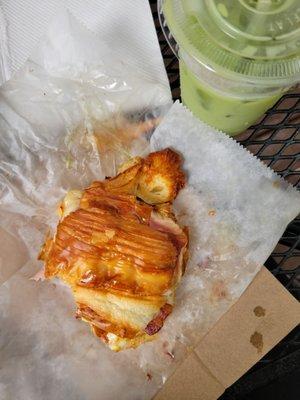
<point>119,247</point>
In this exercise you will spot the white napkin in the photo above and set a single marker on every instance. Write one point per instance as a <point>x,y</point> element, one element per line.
<point>125,25</point>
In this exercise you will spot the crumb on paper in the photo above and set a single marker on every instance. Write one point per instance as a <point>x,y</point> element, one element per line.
<point>170,354</point>
<point>256,340</point>
<point>167,352</point>
<point>39,276</point>
<point>149,376</point>
<point>259,311</point>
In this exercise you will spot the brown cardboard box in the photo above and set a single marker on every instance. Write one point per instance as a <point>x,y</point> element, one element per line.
<point>264,314</point>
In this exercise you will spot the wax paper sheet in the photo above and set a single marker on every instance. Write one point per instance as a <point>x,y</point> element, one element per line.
<point>61,121</point>
<point>64,108</point>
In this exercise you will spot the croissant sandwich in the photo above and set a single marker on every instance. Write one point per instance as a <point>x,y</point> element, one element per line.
<point>119,248</point>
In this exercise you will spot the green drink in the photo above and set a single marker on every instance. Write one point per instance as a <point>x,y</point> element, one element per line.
<point>227,113</point>
<point>237,57</point>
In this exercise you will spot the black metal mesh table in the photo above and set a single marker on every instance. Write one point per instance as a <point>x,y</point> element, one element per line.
<point>275,139</point>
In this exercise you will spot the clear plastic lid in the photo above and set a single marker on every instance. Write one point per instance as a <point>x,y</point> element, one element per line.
<point>254,38</point>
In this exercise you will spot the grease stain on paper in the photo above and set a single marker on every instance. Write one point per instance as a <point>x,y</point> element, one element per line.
<point>219,291</point>
<point>259,311</point>
<point>256,339</point>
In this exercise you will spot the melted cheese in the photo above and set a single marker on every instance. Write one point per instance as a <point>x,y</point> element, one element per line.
<point>70,203</point>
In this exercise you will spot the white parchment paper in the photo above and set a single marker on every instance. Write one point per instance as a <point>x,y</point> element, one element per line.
<point>236,210</point>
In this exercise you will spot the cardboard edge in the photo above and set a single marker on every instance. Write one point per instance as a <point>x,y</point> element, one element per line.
<point>207,371</point>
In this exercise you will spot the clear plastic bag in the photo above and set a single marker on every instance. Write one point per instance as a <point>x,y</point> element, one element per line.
<point>70,116</point>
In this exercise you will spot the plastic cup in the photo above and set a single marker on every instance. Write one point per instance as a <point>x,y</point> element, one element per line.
<point>236,57</point>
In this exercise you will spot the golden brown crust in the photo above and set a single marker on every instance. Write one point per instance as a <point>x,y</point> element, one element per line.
<point>126,182</point>
<point>161,177</point>
<point>122,256</point>
<point>156,179</point>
